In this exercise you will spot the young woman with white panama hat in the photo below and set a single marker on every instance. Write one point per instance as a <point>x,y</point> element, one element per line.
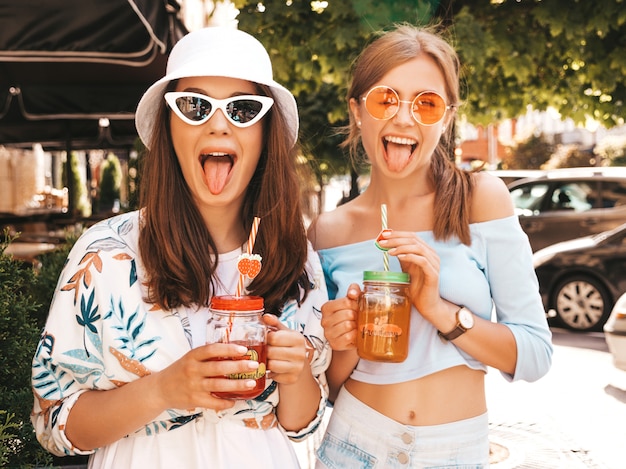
<point>122,371</point>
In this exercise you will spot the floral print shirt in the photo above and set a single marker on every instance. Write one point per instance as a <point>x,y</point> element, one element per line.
<point>101,334</point>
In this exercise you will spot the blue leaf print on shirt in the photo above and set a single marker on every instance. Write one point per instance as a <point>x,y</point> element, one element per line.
<point>84,374</point>
<point>94,338</point>
<point>110,244</point>
<point>125,227</point>
<point>45,377</point>
<point>48,382</point>
<point>46,345</point>
<point>133,272</point>
<point>107,244</point>
<point>130,329</point>
<point>287,316</point>
<point>88,316</point>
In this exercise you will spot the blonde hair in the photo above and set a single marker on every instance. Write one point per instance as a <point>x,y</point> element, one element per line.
<point>405,42</point>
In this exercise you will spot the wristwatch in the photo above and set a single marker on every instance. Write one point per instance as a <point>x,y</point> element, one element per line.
<point>464,322</point>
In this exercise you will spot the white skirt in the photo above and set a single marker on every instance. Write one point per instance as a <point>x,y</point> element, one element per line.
<point>201,444</point>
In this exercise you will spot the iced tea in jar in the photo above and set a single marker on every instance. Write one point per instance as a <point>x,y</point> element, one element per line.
<point>383,320</point>
<point>237,320</point>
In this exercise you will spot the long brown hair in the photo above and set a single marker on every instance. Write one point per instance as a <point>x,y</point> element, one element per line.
<point>178,253</point>
<point>453,186</point>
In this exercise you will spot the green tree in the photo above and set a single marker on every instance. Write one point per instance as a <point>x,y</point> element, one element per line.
<point>48,270</point>
<point>110,182</point>
<point>567,54</point>
<point>19,334</point>
<point>612,150</point>
<point>75,182</point>
<point>529,154</point>
<point>311,57</point>
<point>312,46</point>
<point>570,156</point>
<point>134,174</point>
<point>7,435</point>
<point>25,296</point>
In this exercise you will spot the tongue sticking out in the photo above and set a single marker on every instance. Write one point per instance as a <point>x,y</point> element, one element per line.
<point>216,171</point>
<point>398,155</point>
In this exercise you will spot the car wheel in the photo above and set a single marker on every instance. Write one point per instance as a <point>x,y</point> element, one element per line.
<point>581,303</point>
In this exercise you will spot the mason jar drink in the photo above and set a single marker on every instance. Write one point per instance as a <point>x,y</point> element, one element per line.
<point>383,320</point>
<point>237,320</point>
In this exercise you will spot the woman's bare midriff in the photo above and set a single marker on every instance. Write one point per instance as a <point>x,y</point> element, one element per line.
<point>446,396</point>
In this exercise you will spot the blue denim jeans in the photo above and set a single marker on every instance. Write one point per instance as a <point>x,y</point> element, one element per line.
<point>359,437</point>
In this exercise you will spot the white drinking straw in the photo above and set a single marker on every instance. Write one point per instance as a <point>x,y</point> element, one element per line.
<point>383,216</point>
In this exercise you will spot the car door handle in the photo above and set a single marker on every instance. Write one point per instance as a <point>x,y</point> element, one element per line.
<point>589,222</point>
<point>533,225</point>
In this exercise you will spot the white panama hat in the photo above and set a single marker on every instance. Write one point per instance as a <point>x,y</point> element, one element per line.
<point>218,51</point>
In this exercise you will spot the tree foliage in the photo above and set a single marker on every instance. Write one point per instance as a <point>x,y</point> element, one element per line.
<point>529,154</point>
<point>75,181</point>
<point>312,46</point>
<point>25,296</point>
<point>612,150</point>
<point>18,338</point>
<point>562,53</point>
<point>570,156</point>
<point>110,181</point>
<point>311,55</point>
<point>567,54</point>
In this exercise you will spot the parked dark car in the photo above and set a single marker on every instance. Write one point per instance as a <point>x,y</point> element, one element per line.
<point>580,280</point>
<point>564,204</point>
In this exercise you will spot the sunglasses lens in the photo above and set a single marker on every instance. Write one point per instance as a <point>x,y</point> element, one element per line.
<point>429,108</point>
<point>194,108</point>
<point>382,102</point>
<point>243,111</point>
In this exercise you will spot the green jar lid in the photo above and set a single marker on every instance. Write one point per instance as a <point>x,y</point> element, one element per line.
<point>236,303</point>
<point>386,276</point>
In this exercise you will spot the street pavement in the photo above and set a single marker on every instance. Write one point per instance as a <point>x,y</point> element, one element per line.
<point>573,418</point>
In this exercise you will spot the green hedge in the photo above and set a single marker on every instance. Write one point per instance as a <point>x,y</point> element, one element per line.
<point>25,295</point>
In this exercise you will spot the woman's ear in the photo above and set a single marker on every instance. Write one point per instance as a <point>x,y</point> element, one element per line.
<point>356,111</point>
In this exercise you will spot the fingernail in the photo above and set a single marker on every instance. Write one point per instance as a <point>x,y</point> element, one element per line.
<point>242,349</point>
<point>250,383</point>
<point>380,242</point>
<point>252,364</point>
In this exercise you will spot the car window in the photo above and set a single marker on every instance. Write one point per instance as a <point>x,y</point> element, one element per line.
<point>613,193</point>
<point>575,196</point>
<point>527,199</point>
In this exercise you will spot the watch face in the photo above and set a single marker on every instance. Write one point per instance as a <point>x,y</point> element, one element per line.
<point>466,318</point>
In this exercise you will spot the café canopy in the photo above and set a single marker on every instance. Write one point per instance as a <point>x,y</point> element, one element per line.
<point>73,71</point>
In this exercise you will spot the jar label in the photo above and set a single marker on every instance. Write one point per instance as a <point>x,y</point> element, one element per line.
<point>257,354</point>
<point>381,330</point>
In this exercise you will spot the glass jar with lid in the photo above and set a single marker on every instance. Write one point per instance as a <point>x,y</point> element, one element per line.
<point>238,320</point>
<point>384,317</point>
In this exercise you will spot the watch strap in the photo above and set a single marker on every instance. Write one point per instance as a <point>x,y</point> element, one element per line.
<point>457,331</point>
